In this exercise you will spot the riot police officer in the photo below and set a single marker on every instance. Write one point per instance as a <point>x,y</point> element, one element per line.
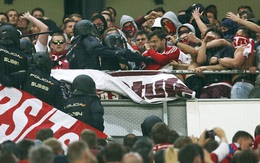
<point>37,81</point>
<point>12,58</point>
<point>86,49</point>
<point>84,104</point>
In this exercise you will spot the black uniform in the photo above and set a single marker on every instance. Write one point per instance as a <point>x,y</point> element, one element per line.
<point>40,84</point>
<point>86,108</point>
<point>86,49</point>
<point>11,60</point>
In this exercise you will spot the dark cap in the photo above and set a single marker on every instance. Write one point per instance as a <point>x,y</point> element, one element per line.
<point>148,124</point>
<point>194,6</point>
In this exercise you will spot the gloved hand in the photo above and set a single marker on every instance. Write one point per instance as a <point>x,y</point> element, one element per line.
<point>5,80</point>
<point>148,60</point>
<point>129,55</point>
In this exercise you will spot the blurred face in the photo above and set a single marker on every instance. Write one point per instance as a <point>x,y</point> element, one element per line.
<point>13,17</point>
<point>244,16</point>
<point>3,18</point>
<point>245,143</point>
<point>37,14</point>
<point>57,44</point>
<point>22,23</point>
<point>35,29</point>
<point>76,19</point>
<point>146,27</point>
<point>99,24</point>
<point>212,34</point>
<point>112,14</point>
<point>69,29</point>
<point>168,26</point>
<point>140,41</point>
<point>108,20</point>
<point>157,44</point>
<point>159,13</point>
<point>211,18</point>
<point>184,38</point>
<point>224,29</point>
<point>129,28</point>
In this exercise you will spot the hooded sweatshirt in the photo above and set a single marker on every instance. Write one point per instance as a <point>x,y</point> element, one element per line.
<point>124,19</point>
<point>188,26</point>
<point>173,18</point>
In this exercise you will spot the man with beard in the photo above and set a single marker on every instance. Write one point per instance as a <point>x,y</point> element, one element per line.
<point>160,51</point>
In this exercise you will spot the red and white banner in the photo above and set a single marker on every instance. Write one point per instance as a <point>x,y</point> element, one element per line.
<point>141,86</point>
<point>22,116</point>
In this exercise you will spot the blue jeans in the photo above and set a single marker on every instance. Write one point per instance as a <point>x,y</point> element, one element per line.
<point>241,90</point>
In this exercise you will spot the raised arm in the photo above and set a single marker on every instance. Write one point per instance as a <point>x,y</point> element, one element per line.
<point>43,39</point>
<point>188,49</point>
<point>196,15</point>
<point>249,24</point>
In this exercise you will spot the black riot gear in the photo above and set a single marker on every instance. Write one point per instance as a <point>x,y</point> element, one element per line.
<point>84,104</point>
<point>43,60</point>
<point>9,35</point>
<point>85,27</point>
<point>115,41</point>
<point>84,84</point>
<point>27,47</point>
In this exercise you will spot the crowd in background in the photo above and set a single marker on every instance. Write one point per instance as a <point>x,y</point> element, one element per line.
<point>158,144</point>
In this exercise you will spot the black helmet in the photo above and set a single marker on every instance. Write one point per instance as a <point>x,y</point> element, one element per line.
<point>43,60</point>
<point>83,84</point>
<point>115,40</point>
<point>85,27</point>
<point>9,34</point>
<point>27,47</point>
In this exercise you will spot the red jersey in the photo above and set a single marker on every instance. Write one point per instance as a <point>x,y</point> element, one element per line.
<point>162,59</point>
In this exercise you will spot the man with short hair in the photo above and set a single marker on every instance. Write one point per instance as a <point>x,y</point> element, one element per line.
<point>41,154</point>
<point>68,29</point>
<point>37,12</point>
<point>160,51</point>
<point>141,39</point>
<point>90,137</point>
<point>241,141</point>
<point>160,133</point>
<point>79,152</point>
<point>12,16</point>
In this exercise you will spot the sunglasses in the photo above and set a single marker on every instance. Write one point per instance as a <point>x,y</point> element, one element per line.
<point>57,42</point>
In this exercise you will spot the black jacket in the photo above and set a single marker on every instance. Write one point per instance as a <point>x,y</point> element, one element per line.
<point>40,84</point>
<point>86,108</point>
<point>11,60</point>
<point>86,50</point>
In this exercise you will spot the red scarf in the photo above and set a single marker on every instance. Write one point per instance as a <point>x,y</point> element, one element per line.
<point>170,29</point>
<point>61,57</point>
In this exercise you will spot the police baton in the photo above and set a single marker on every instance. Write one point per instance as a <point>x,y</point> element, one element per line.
<point>35,34</point>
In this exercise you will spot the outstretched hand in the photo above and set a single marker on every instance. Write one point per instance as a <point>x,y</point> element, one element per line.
<point>26,15</point>
<point>232,16</point>
<point>148,60</point>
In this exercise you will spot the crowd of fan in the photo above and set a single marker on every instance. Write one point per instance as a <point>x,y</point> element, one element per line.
<point>193,39</point>
<point>158,144</point>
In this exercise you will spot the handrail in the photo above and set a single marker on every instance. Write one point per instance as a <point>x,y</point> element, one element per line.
<point>186,71</point>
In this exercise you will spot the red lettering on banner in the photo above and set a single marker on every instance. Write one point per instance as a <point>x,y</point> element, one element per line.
<point>22,115</point>
<point>158,89</point>
<point>138,88</point>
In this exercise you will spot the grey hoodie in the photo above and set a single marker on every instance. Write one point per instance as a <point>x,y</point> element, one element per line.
<point>173,18</point>
<point>126,18</point>
<point>188,25</point>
